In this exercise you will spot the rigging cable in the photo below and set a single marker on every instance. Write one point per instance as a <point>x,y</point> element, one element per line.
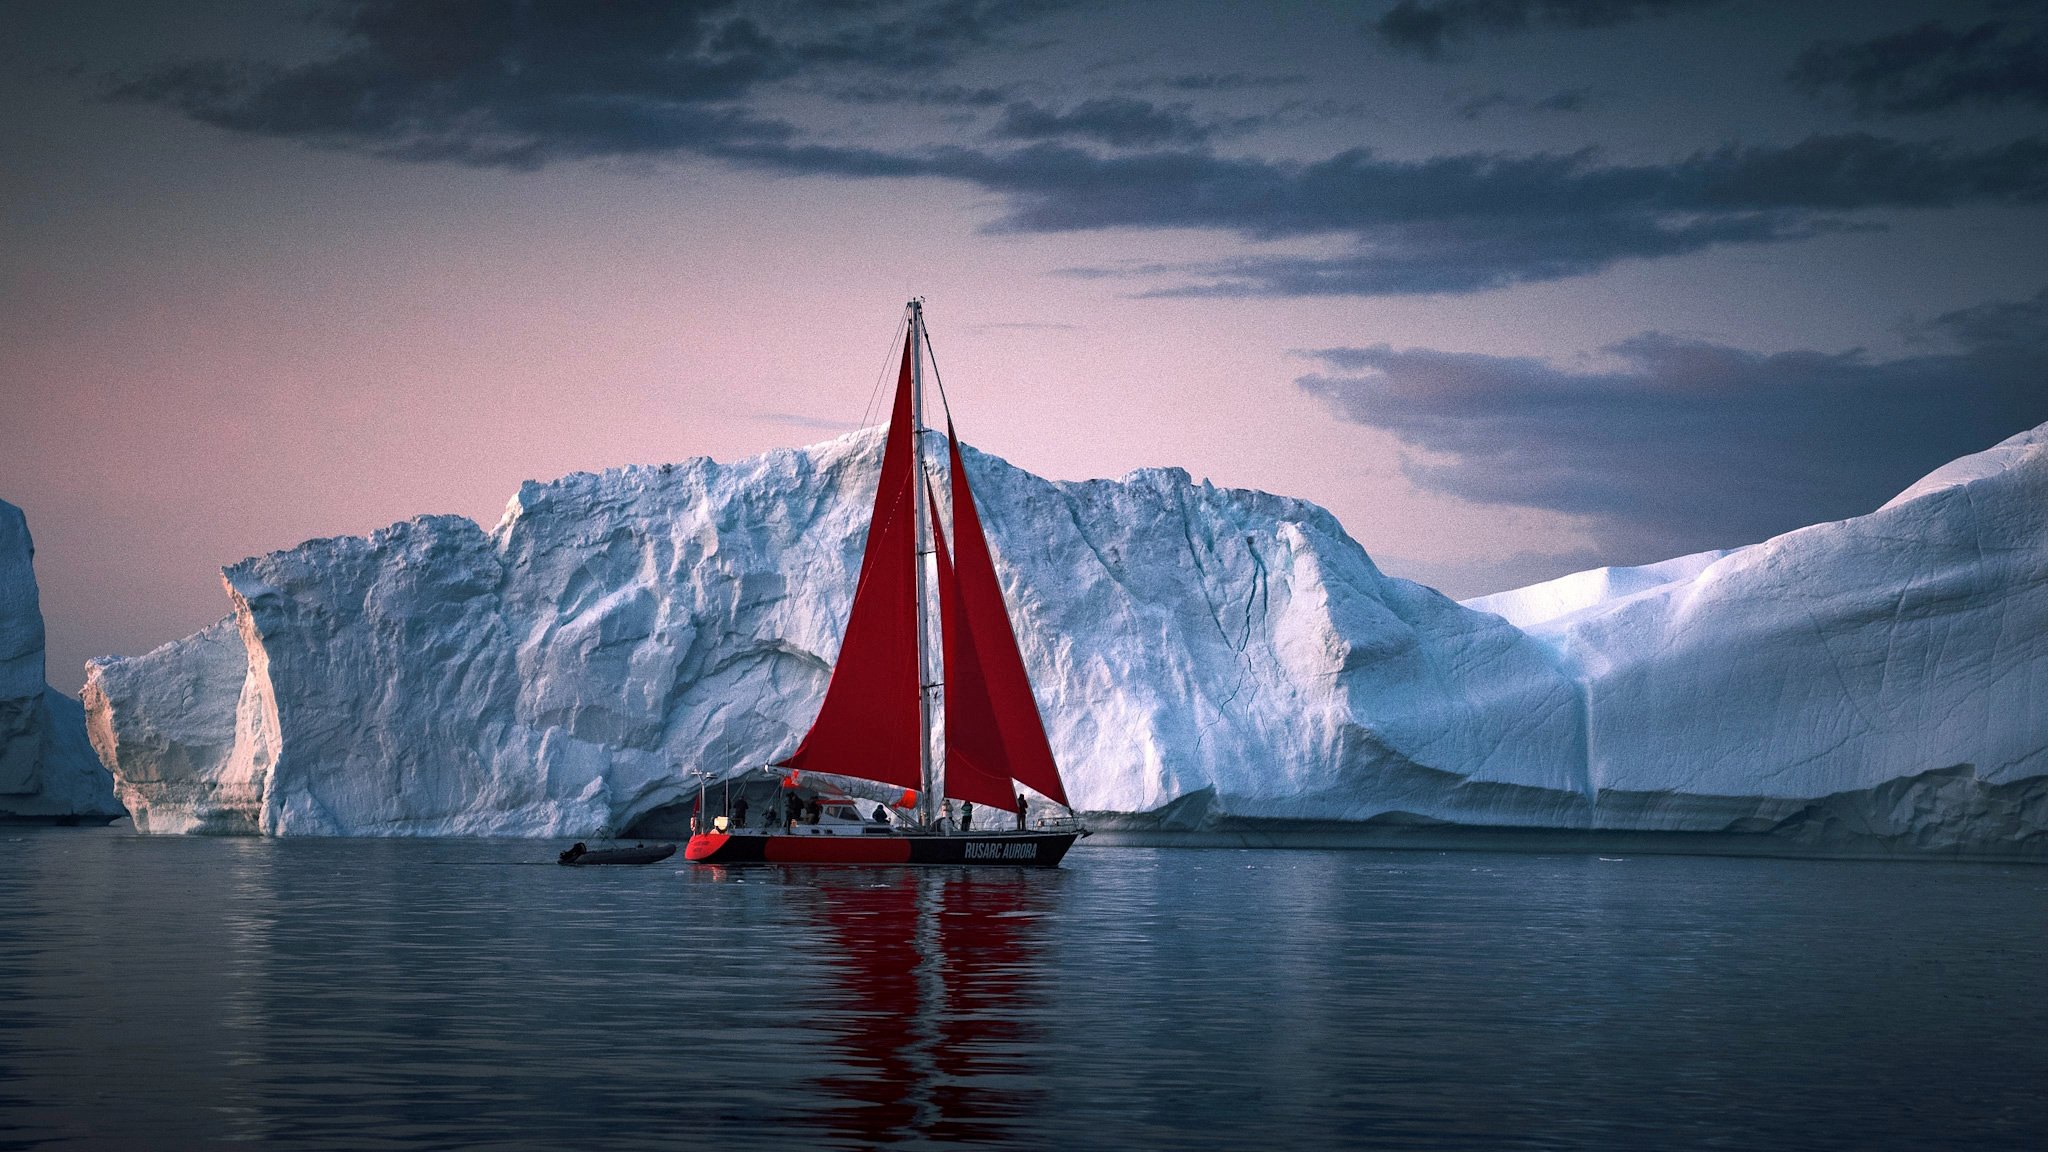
<point>880,375</point>
<point>936,379</point>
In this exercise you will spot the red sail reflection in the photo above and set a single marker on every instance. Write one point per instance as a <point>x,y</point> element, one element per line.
<point>942,981</point>
<point>991,960</point>
<point>877,970</point>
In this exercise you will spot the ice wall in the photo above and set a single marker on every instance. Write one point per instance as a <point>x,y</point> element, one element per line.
<point>1207,660</point>
<point>47,770</point>
<point>560,673</point>
<point>1900,656</point>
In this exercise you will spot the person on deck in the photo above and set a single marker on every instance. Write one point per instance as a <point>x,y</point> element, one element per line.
<point>1021,808</point>
<point>881,813</point>
<point>967,816</point>
<point>739,812</point>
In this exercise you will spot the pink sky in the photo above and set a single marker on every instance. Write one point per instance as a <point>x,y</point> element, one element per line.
<point>214,344</point>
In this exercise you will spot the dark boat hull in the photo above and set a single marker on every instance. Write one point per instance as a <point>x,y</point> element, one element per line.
<point>1005,849</point>
<point>637,855</point>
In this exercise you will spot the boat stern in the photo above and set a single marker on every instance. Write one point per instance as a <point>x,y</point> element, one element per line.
<point>705,846</point>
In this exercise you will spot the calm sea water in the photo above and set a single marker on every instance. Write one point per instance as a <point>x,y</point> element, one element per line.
<point>173,993</point>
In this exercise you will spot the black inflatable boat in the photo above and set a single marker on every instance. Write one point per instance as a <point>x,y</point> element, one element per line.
<point>580,854</point>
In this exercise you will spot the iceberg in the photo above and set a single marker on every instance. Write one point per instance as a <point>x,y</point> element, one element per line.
<point>48,772</point>
<point>1886,674</point>
<point>1214,665</point>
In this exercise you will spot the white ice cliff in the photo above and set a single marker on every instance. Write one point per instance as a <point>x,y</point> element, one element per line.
<point>47,770</point>
<point>1210,662</point>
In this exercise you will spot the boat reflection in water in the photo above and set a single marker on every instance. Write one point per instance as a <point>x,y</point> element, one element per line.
<point>940,984</point>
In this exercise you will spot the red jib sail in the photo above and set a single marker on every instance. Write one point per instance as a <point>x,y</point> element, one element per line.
<point>1001,732</point>
<point>976,768</point>
<point>869,725</point>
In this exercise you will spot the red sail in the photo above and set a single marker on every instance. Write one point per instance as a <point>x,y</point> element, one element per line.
<point>976,768</point>
<point>1010,728</point>
<point>869,725</point>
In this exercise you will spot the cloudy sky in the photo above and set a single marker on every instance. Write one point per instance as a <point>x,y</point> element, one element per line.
<point>1514,287</point>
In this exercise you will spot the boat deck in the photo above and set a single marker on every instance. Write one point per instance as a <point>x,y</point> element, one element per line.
<point>843,844</point>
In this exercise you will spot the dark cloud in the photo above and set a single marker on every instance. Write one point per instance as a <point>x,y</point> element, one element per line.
<point>1459,223</point>
<point>529,83</point>
<point>1217,81</point>
<point>1473,107</point>
<point>1687,445</point>
<point>1474,256</point>
<point>1428,26</point>
<point>1059,188</point>
<point>1119,121</point>
<point>1569,100</point>
<point>1475,222</point>
<point>945,95</point>
<point>1932,67</point>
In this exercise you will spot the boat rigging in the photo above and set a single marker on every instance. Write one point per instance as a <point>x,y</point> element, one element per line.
<point>877,722</point>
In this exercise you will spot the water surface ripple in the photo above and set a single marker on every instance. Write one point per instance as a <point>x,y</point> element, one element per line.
<point>366,994</point>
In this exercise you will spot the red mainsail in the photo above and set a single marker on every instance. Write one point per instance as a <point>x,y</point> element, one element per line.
<point>991,716</point>
<point>869,725</point>
<point>976,768</point>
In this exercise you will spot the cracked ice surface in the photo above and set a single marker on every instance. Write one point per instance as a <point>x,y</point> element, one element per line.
<point>1204,657</point>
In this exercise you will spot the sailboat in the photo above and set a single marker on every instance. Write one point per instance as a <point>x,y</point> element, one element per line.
<point>876,727</point>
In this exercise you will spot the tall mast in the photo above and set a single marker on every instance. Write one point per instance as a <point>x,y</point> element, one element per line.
<point>927,805</point>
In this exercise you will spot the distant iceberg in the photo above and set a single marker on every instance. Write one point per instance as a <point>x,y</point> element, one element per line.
<point>48,772</point>
<point>1212,664</point>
